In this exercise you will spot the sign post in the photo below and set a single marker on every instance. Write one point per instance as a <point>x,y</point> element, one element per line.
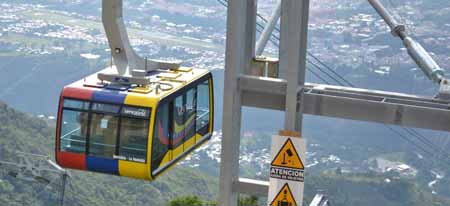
<point>287,169</point>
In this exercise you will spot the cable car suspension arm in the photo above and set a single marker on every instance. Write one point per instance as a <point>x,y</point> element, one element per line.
<point>127,62</point>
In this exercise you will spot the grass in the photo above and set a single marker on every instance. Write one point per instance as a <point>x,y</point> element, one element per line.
<point>37,43</point>
<point>26,40</point>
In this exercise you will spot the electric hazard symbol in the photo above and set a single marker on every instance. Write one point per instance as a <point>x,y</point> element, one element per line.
<point>284,197</point>
<point>288,157</point>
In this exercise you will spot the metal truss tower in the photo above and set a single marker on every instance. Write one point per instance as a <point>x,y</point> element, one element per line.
<point>284,89</point>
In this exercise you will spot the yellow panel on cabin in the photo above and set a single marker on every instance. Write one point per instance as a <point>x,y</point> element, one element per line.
<point>142,100</point>
<point>177,151</point>
<point>142,90</point>
<point>134,169</point>
<point>211,107</point>
<point>198,137</point>
<point>189,143</point>
<point>167,158</point>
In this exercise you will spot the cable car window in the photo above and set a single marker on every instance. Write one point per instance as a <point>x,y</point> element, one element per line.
<point>178,122</point>
<point>134,135</point>
<point>103,135</point>
<point>73,131</point>
<point>76,104</point>
<point>161,135</point>
<point>110,108</point>
<point>190,117</point>
<point>203,106</point>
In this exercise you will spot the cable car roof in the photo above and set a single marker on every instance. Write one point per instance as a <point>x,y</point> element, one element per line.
<point>163,83</point>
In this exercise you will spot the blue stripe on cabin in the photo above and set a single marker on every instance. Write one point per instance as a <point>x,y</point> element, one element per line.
<point>103,165</point>
<point>109,96</point>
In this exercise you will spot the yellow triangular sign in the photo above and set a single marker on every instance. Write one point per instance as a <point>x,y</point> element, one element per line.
<point>288,157</point>
<point>284,197</point>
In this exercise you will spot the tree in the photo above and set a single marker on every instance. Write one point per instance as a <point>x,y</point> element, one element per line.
<point>186,201</point>
<point>196,201</point>
<point>248,201</point>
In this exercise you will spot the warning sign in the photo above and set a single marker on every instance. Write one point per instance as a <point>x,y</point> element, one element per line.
<point>287,170</point>
<point>288,157</point>
<point>287,174</point>
<point>284,197</point>
<point>287,164</point>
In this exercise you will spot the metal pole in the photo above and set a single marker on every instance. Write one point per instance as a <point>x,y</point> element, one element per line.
<point>268,29</point>
<point>241,26</point>
<point>382,11</point>
<point>63,189</point>
<point>293,46</point>
<point>420,56</point>
<point>64,176</point>
<point>293,43</point>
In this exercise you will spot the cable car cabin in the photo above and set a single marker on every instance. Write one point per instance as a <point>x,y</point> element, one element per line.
<point>134,131</point>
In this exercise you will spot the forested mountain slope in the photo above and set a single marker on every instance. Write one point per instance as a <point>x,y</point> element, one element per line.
<point>23,132</point>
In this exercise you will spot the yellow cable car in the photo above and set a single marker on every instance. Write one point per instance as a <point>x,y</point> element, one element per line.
<point>133,130</point>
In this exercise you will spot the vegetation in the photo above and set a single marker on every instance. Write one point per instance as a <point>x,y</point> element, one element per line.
<point>186,201</point>
<point>370,190</point>
<point>181,186</point>
<point>25,133</point>
<point>196,201</point>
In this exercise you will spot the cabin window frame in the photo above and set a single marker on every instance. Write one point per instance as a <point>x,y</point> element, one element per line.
<point>210,106</point>
<point>133,117</point>
<point>155,137</point>
<point>93,112</point>
<point>90,111</point>
<point>74,109</point>
<point>169,100</point>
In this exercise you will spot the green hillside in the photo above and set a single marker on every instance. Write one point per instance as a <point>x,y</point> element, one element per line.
<point>23,132</point>
<point>372,190</point>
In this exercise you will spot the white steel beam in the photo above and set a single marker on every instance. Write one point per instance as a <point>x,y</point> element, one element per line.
<point>251,187</point>
<point>351,103</point>
<point>292,67</point>
<point>241,26</point>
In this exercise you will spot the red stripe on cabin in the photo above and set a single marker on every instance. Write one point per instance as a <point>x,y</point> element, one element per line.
<point>71,160</point>
<point>78,93</point>
<point>58,127</point>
